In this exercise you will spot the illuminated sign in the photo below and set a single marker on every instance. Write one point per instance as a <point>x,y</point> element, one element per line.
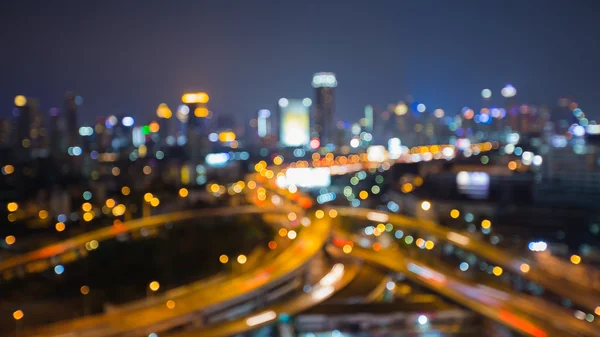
<point>217,159</point>
<point>474,184</point>
<point>305,177</point>
<point>376,153</point>
<point>295,123</point>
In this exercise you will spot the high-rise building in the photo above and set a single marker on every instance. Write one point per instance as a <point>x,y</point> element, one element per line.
<point>294,116</point>
<point>56,132</point>
<point>323,121</point>
<point>23,113</point>
<point>70,115</point>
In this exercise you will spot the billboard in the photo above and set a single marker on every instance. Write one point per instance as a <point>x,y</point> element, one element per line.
<point>305,177</point>
<point>295,122</point>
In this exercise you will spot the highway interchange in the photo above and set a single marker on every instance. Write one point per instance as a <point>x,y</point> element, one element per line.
<point>194,304</point>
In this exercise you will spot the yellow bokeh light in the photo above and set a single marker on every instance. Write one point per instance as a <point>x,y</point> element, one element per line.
<point>420,242</point>
<point>429,245</point>
<point>20,100</point>
<point>154,127</point>
<point>380,228</point>
<point>84,290</point>
<point>333,213</point>
<point>154,286</point>
<point>119,210</point>
<point>454,214</point>
<point>214,188</point>
<point>10,240</point>
<point>407,188</point>
<point>12,217</point>
<point>292,216</point>
<point>319,214</point>
<point>223,258</point>
<point>148,197</point>
<point>125,190</point>
<point>12,206</point>
<point>195,97</point>
<point>597,311</point>
<point>60,226</point>
<point>170,304</point>
<point>154,202</point>
<point>8,169</point>
<point>575,259</point>
<point>110,203</point>
<point>486,224</point>
<point>278,160</point>
<point>183,192</point>
<point>86,207</point>
<point>512,165</point>
<point>401,109</point>
<point>241,259</point>
<point>347,249</point>
<point>88,216</point>
<point>227,136</point>
<point>363,195</point>
<point>43,214</point>
<point>497,271</point>
<point>17,315</point>
<point>525,268</point>
<point>425,205</point>
<point>201,112</point>
<point>283,232</point>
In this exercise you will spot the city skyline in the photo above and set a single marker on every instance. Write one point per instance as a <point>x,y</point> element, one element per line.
<point>281,50</point>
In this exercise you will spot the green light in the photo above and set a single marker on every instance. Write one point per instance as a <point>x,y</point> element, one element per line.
<point>146,129</point>
<point>347,191</point>
<point>379,179</point>
<point>353,180</point>
<point>375,189</point>
<point>485,160</point>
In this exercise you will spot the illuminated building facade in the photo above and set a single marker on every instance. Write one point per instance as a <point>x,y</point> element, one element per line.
<point>295,121</point>
<point>323,121</point>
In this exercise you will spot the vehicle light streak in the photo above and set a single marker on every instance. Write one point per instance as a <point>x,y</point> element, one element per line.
<point>377,217</point>
<point>426,273</point>
<point>458,238</point>
<point>261,318</point>
<point>522,324</point>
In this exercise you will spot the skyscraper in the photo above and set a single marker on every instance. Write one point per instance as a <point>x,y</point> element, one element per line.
<point>70,115</point>
<point>323,121</point>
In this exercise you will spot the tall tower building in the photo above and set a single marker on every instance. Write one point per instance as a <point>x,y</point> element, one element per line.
<point>23,113</point>
<point>55,132</point>
<point>70,115</point>
<point>323,121</point>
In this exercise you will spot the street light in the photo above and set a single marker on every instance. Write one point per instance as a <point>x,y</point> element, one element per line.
<point>152,288</point>
<point>17,315</point>
<point>84,290</point>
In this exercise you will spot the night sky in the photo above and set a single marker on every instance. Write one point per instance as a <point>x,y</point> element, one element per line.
<point>126,57</point>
